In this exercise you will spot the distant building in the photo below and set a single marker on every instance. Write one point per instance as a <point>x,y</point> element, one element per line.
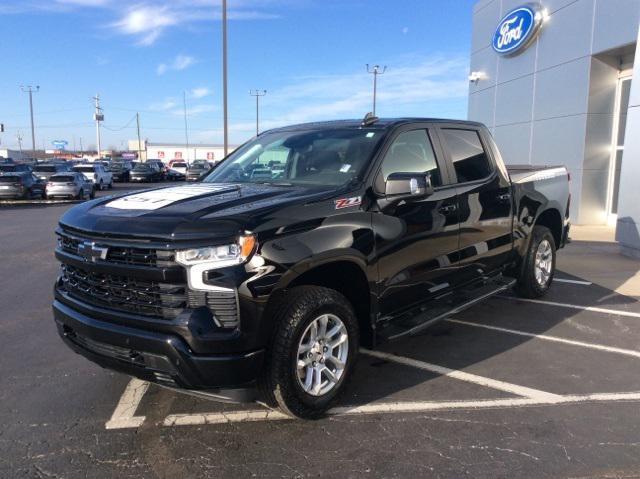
<point>179,151</point>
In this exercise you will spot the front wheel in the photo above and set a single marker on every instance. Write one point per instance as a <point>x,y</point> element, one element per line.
<point>539,264</point>
<point>312,353</point>
<point>80,195</point>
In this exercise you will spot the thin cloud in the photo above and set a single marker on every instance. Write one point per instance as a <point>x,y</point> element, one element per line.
<point>179,63</point>
<point>146,23</point>
<point>199,92</point>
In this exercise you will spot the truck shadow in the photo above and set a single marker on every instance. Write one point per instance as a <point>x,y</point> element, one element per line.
<point>513,358</point>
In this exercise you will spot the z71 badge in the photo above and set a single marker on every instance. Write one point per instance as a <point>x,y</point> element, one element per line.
<point>348,202</point>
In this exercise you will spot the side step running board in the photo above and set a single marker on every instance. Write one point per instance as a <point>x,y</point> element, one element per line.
<point>437,313</point>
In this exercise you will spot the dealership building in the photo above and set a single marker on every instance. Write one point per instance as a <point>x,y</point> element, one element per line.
<point>179,151</point>
<point>553,82</point>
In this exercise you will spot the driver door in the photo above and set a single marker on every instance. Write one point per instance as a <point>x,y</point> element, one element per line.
<point>416,240</point>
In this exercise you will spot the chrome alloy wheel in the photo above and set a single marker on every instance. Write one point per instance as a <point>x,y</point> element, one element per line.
<point>322,354</point>
<point>543,263</point>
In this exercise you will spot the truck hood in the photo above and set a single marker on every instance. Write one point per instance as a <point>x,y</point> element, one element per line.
<point>188,212</point>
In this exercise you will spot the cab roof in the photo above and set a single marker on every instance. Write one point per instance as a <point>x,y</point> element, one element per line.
<point>380,124</point>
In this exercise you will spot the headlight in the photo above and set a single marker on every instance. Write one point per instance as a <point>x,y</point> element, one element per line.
<point>219,256</point>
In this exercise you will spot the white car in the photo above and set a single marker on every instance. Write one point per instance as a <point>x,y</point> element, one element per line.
<point>97,173</point>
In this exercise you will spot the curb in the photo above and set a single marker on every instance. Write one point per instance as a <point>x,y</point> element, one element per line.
<point>38,202</point>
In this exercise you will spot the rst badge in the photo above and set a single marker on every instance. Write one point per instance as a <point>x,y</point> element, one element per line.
<point>348,202</point>
<point>518,29</point>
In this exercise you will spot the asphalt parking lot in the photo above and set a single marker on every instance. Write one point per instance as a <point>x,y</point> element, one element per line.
<point>507,389</point>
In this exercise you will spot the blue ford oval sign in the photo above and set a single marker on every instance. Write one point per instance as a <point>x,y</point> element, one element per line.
<point>517,29</point>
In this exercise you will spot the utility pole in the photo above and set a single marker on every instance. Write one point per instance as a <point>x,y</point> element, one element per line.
<point>224,76</point>
<point>30,90</point>
<point>19,138</point>
<point>138,126</point>
<point>257,94</point>
<point>98,116</point>
<point>186,127</point>
<point>375,71</point>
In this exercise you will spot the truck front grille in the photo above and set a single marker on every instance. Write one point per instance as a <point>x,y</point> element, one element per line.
<point>119,254</point>
<point>122,293</point>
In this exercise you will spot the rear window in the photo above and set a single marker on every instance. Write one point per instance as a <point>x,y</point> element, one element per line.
<point>10,179</point>
<point>179,165</point>
<point>467,154</point>
<point>8,168</point>
<point>84,169</point>
<point>62,179</point>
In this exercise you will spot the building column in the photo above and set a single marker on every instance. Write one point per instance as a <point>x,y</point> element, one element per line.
<point>628,227</point>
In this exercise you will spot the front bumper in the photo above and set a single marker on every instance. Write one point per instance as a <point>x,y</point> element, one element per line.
<point>154,356</point>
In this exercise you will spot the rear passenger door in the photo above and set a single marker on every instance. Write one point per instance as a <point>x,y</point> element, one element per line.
<point>416,240</point>
<point>484,201</point>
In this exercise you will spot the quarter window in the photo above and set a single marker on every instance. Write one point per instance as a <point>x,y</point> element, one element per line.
<point>412,152</point>
<point>468,156</point>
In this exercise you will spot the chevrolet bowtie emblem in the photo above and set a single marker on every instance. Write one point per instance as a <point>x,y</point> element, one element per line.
<point>90,252</point>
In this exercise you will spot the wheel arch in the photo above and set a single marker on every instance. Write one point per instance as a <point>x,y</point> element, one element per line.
<point>552,219</point>
<point>348,277</point>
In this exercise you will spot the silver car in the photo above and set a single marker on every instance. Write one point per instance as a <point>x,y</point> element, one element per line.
<point>69,185</point>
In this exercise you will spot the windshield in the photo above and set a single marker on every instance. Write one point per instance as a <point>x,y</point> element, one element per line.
<point>142,168</point>
<point>8,168</point>
<point>178,165</point>
<point>312,157</point>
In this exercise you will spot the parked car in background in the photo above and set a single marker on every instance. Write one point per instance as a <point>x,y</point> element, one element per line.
<point>180,166</point>
<point>69,185</point>
<point>207,163</point>
<point>101,178</point>
<point>14,168</point>
<point>121,170</point>
<point>45,170</point>
<point>161,166</point>
<point>197,171</point>
<point>21,185</point>
<point>146,173</point>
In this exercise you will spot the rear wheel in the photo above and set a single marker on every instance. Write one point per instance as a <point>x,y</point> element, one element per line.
<point>92,195</point>
<point>539,264</point>
<point>312,353</point>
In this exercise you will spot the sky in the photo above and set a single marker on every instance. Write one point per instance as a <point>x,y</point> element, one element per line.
<point>145,56</point>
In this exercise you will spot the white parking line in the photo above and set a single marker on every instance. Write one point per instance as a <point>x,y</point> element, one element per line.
<point>572,281</point>
<point>600,347</point>
<point>123,416</point>
<point>397,408</point>
<point>462,376</point>
<point>618,312</point>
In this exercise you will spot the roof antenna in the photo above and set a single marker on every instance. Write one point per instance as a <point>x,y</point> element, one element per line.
<point>369,119</point>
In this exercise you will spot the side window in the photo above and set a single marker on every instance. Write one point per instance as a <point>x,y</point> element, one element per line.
<point>469,159</point>
<point>412,152</point>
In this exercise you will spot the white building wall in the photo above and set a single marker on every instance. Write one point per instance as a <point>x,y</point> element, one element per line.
<point>542,105</point>
<point>628,231</point>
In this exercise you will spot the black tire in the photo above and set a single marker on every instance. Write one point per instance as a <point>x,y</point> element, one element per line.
<point>110,185</point>
<point>528,285</point>
<point>92,195</point>
<point>294,313</point>
<point>80,195</point>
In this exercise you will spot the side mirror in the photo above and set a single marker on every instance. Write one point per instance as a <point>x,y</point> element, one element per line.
<point>408,185</point>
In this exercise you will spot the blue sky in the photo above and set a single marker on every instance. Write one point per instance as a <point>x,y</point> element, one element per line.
<point>309,55</point>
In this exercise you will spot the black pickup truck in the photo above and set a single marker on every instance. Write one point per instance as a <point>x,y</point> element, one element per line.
<point>305,243</point>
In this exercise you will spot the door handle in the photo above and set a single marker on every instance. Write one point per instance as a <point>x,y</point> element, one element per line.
<point>447,209</point>
<point>505,197</point>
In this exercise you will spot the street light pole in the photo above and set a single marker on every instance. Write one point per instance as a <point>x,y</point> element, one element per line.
<point>98,117</point>
<point>257,94</point>
<point>224,76</point>
<point>186,125</point>
<point>375,71</point>
<point>30,90</point>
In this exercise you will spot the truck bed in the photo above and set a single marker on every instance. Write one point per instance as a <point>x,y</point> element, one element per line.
<point>526,173</point>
